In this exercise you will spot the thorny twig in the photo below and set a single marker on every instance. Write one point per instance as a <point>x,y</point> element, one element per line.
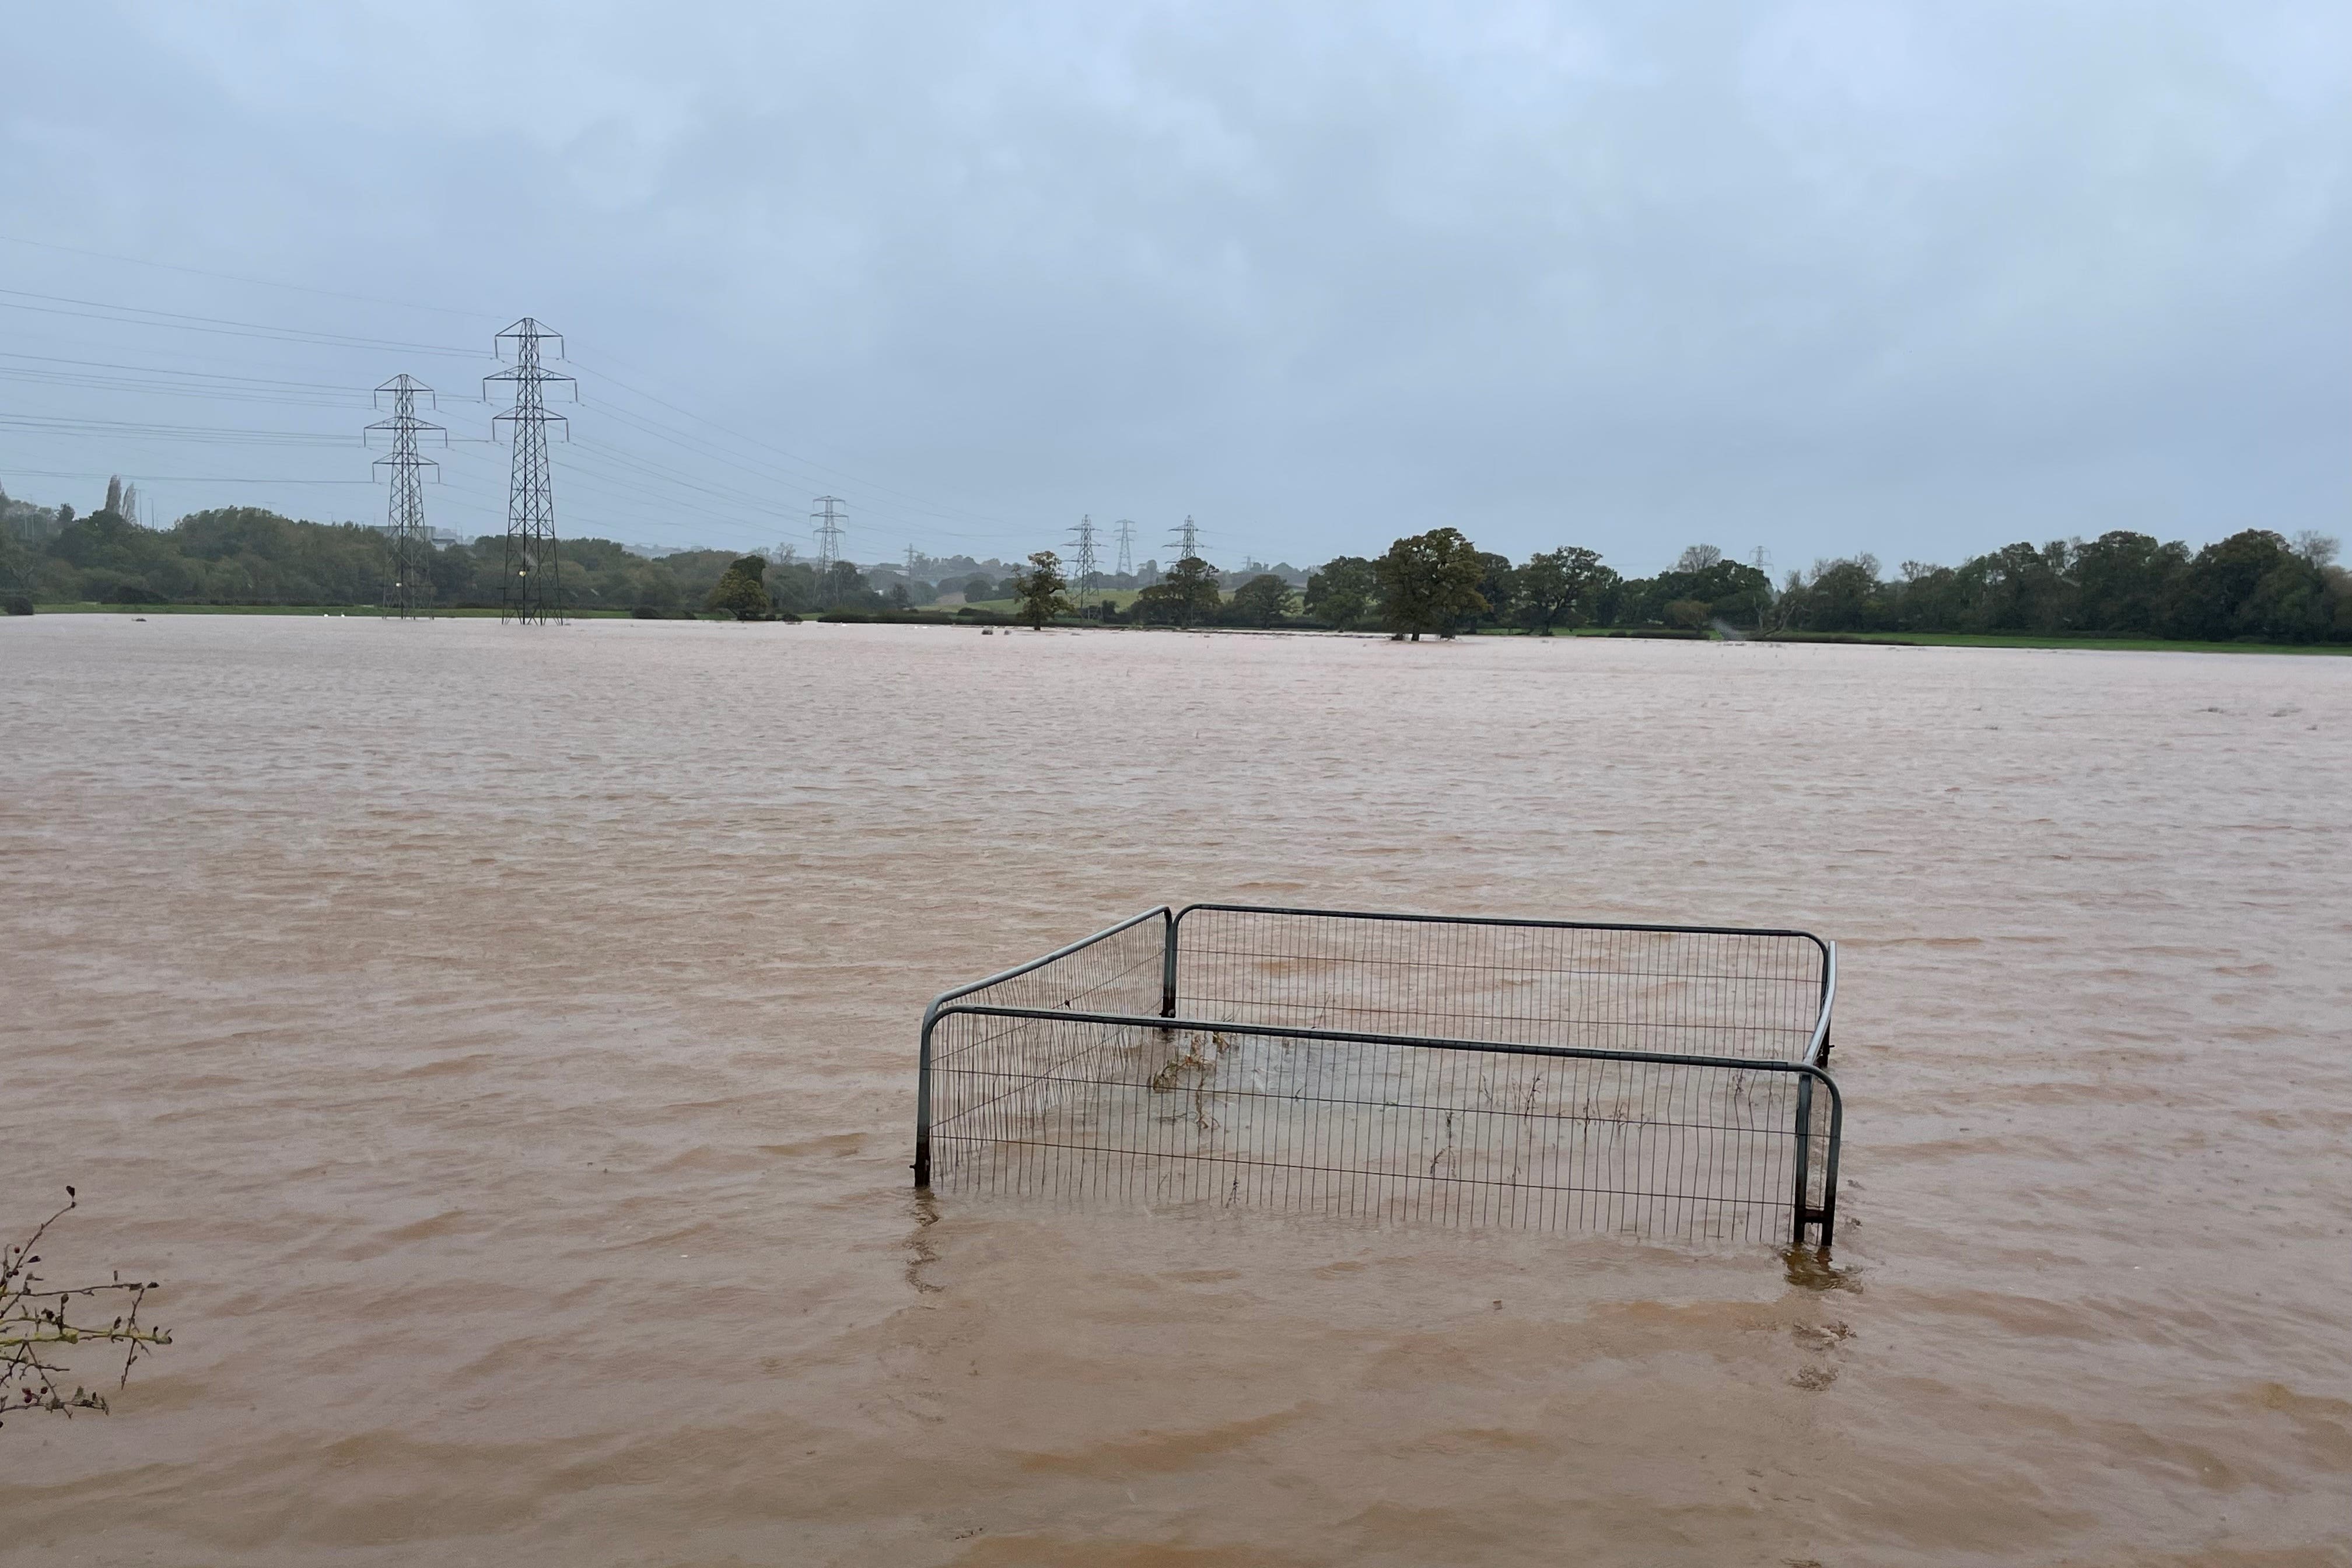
<point>34,1316</point>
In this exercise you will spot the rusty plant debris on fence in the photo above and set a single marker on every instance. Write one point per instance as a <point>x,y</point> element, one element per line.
<point>40,1321</point>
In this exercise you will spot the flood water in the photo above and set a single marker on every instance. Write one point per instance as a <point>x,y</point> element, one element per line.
<point>501,1044</point>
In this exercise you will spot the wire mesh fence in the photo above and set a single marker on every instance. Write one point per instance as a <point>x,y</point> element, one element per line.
<point>1692,991</point>
<point>1660,1083</point>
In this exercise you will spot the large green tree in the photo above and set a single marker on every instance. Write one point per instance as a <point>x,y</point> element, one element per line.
<point>1555,587</point>
<point>1186,596</point>
<point>1262,601</point>
<point>1429,583</point>
<point>1042,590</point>
<point>1344,593</point>
<point>1498,585</point>
<point>742,590</point>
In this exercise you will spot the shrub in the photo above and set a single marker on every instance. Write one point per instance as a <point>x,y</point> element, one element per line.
<point>17,605</point>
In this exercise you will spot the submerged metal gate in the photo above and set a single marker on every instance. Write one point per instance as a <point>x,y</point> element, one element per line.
<point>1659,1080</point>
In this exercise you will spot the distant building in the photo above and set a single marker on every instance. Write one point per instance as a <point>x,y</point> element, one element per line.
<point>439,538</point>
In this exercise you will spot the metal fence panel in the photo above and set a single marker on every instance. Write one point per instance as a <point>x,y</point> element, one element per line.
<point>1651,1082</point>
<point>1707,992</point>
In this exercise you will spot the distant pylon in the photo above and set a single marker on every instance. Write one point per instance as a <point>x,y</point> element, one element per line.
<point>828,518</point>
<point>406,511</point>
<point>1187,542</point>
<point>1084,546</point>
<point>1126,548</point>
<point>534,581</point>
<point>911,558</point>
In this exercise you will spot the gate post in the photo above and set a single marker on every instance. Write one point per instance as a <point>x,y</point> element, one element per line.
<point>1800,1207</point>
<point>923,1107</point>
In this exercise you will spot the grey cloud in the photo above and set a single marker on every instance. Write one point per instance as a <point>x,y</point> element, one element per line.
<point>1912,279</point>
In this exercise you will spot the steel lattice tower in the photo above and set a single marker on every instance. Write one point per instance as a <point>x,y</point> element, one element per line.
<point>406,511</point>
<point>534,570</point>
<point>1126,548</point>
<point>1084,546</point>
<point>1187,542</point>
<point>828,518</point>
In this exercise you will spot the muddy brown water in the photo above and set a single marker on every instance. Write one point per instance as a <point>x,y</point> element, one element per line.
<point>500,1042</point>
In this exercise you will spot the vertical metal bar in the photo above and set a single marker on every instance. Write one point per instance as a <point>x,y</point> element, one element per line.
<point>1827,1213</point>
<point>1167,972</point>
<point>923,1107</point>
<point>1800,1206</point>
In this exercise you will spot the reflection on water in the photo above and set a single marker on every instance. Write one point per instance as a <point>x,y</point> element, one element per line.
<point>502,1046</point>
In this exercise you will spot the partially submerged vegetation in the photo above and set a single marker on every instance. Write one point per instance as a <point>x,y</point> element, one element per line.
<point>41,1321</point>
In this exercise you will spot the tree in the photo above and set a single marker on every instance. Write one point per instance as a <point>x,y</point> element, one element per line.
<point>1555,585</point>
<point>842,582</point>
<point>1042,590</point>
<point>2119,581</point>
<point>1429,583</point>
<point>979,588</point>
<point>1186,596</point>
<point>1838,596</point>
<point>2319,550</point>
<point>1262,601</point>
<point>1344,593</point>
<point>1498,585</point>
<point>2251,584</point>
<point>792,587</point>
<point>740,591</point>
<point>1724,589</point>
<point>899,598</point>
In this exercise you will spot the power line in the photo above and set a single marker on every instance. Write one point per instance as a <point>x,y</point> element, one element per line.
<point>406,510</point>
<point>172,479</point>
<point>238,278</point>
<point>259,388</point>
<point>916,502</point>
<point>176,321</point>
<point>219,434</point>
<point>1187,542</point>
<point>533,583</point>
<point>1126,548</point>
<point>705,439</point>
<point>130,315</point>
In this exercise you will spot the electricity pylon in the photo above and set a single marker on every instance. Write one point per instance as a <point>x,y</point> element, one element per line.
<point>1084,546</point>
<point>1187,542</point>
<point>406,511</point>
<point>828,518</point>
<point>533,583</point>
<point>1126,548</point>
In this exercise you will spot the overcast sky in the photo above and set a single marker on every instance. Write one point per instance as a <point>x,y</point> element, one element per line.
<point>1918,279</point>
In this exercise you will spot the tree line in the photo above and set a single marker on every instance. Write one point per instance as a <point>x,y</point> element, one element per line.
<point>2254,585</point>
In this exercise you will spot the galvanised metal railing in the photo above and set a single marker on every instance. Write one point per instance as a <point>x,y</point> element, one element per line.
<point>1662,1081</point>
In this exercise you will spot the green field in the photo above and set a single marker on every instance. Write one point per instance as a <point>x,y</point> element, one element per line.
<point>2003,639</point>
<point>1977,639</point>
